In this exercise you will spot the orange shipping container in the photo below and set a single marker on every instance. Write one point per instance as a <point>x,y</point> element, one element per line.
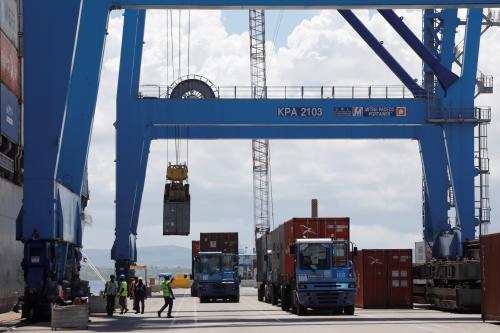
<point>384,278</point>
<point>9,66</point>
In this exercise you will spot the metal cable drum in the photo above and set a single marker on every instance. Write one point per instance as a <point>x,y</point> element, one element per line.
<point>193,87</point>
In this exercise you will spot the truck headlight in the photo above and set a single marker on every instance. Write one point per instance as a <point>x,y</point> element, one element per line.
<point>352,285</point>
<point>302,286</point>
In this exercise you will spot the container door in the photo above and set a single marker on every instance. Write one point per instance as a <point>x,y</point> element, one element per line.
<point>375,278</point>
<point>400,278</point>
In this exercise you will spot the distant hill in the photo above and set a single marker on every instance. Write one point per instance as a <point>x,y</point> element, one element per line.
<point>163,256</point>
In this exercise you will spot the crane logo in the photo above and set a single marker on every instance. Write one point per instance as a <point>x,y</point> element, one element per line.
<point>374,261</point>
<point>307,230</point>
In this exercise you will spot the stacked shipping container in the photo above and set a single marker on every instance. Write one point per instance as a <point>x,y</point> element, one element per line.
<point>384,279</point>
<point>226,242</point>
<point>490,272</point>
<point>11,193</point>
<point>10,91</point>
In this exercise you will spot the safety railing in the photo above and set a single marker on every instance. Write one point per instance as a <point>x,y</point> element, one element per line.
<point>290,92</point>
<point>475,114</point>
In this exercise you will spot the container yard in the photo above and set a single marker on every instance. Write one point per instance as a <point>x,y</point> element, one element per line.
<point>122,124</point>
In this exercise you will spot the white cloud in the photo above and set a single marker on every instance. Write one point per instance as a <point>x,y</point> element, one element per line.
<point>376,183</point>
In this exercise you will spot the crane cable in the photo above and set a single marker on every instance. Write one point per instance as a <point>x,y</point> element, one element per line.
<point>170,61</point>
<point>189,39</point>
<point>277,27</point>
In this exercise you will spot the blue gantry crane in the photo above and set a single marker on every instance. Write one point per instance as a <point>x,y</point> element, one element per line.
<point>63,49</point>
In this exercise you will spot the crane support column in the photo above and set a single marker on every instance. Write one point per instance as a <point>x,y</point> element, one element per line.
<point>50,222</point>
<point>435,174</point>
<point>131,141</point>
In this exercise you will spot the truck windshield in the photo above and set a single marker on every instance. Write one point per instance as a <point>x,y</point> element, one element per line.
<point>314,256</point>
<point>210,263</point>
<point>340,250</point>
<point>228,263</point>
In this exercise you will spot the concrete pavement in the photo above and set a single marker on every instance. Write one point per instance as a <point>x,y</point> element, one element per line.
<point>249,315</point>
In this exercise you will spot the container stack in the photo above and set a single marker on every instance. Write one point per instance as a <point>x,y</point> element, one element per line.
<point>384,278</point>
<point>10,92</point>
<point>225,242</point>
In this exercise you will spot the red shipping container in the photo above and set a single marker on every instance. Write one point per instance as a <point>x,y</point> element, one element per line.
<point>384,278</point>
<point>490,277</point>
<point>195,249</point>
<point>9,66</point>
<point>226,242</point>
<point>286,235</point>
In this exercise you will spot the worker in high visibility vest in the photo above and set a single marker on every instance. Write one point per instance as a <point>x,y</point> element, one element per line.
<point>168,296</point>
<point>123,294</point>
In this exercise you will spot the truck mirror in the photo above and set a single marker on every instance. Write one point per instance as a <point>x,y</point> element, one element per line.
<point>190,276</point>
<point>355,251</point>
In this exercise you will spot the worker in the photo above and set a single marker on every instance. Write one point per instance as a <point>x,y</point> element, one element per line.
<point>140,296</point>
<point>110,291</point>
<point>168,296</point>
<point>60,294</point>
<point>132,292</point>
<point>123,293</point>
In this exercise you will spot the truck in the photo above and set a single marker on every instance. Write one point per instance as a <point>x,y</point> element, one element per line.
<point>195,252</point>
<point>312,267</point>
<point>216,268</point>
<point>264,269</point>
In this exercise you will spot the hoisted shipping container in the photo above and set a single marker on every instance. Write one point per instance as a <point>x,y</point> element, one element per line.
<point>9,113</point>
<point>490,273</point>
<point>176,202</point>
<point>384,278</point>
<point>226,242</point>
<point>9,66</point>
<point>9,20</point>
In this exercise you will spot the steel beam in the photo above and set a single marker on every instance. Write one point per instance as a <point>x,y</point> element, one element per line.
<point>445,76</point>
<point>300,4</point>
<point>383,54</point>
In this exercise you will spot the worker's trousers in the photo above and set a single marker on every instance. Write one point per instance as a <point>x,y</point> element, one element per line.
<point>123,303</point>
<point>168,302</point>
<point>110,304</point>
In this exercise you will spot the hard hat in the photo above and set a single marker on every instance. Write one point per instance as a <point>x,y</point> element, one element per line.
<point>122,276</point>
<point>112,276</point>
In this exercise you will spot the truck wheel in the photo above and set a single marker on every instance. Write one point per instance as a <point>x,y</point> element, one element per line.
<point>337,311</point>
<point>274,296</point>
<point>203,300</point>
<point>285,302</point>
<point>261,293</point>
<point>298,308</point>
<point>349,310</point>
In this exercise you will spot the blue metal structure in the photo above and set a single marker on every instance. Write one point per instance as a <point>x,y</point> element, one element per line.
<point>62,68</point>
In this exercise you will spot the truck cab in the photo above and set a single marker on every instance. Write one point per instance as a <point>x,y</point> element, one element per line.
<point>325,277</point>
<point>217,277</point>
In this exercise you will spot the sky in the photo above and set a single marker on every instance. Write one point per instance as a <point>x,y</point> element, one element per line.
<point>376,183</point>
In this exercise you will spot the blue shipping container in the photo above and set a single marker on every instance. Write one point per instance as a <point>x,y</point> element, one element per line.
<point>10,124</point>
